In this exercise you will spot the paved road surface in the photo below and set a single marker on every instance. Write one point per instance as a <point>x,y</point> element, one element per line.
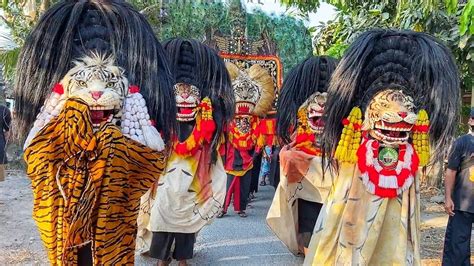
<point>232,240</point>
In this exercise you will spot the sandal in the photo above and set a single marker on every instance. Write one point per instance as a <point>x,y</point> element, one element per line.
<point>242,214</point>
<point>263,183</point>
<point>221,214</point>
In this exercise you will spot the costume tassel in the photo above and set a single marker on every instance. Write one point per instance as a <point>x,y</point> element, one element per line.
<point>421,137</point>
<point>153,138</point>
<point>349,142</point>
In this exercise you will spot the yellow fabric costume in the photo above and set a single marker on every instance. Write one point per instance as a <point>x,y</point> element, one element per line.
<point>359,228</point>
<point>87,187</point>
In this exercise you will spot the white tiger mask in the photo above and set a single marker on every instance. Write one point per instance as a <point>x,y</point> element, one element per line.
<point>103,87</point>
<point>99,83</point>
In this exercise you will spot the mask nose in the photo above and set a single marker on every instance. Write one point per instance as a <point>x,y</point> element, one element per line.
<point>402,114</point>
<point>96,94</point>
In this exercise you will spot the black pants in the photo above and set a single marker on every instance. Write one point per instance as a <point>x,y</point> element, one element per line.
<point>457,241</point>
<point>257,163</point>
<point>84,255</point>
<point>274,175</point>
<point>183,246</point>
<point>308,213</point>
<point>239,187</point>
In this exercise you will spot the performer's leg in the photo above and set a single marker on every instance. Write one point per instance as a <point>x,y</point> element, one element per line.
<point>457,240</point>
<point>275,167</point>
<point>244,190</point>
<point>160,247</point>
<point>184,247</point>
<point>257,163</point>
<point>237,194</point>
<point>228,195</point>
<point>308,213</point>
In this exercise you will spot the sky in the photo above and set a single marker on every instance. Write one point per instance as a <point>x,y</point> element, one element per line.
<point>324,13</point>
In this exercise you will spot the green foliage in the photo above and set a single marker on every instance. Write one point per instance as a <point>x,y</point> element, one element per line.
<point>292,39</point>
<point>8,59</point>
<point>337,50</point>
<point>467,19</point>
<point>201,20</point>
<point>303,5</point>
<point>192,20</point>
<point>20,22</point>
<point>439,20</point>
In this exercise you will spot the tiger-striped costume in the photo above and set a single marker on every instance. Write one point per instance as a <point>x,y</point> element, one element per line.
<point>87,186</point>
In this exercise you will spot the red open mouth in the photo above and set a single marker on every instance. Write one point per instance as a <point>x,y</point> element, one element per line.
<point>186,112</point>
<point>316,122</point>
<point>392,132</point>
<point>99,115</point>
<point>244,107</point>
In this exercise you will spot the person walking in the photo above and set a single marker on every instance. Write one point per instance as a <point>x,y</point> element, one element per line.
<point>459,199</point>
<point>5,122</point>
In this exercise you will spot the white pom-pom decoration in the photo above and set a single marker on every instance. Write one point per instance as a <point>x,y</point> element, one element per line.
<point>136,122</point>
<point>52,107</point>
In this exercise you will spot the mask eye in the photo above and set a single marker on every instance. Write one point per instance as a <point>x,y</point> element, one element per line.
<point>110,85</point>
<point>81,83</point>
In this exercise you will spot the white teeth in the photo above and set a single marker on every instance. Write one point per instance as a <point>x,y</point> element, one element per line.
<point>402,129</point>
<point>316,129</point>
<point>183,119</point>
<point>384,137</point>
<point>186,115</point>
<point>187,105</point>
<point>312,115</point>
<point>98,108</point>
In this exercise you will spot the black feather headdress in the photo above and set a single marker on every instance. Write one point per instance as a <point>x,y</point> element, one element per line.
<point>72,29</point>
<point>413,62</point>
<point>308,77</point>
<point>196,64</point>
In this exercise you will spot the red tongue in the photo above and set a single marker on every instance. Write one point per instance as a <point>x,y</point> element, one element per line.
<point>318,121</point>
<point>244,109</point>
<point>186,111</point>
<point>97,116</point>
<point>394,134</point>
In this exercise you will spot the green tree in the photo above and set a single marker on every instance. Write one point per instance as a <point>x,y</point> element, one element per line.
<point>451,21</point>
<point>291,37</point>
<point>200,20</point>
